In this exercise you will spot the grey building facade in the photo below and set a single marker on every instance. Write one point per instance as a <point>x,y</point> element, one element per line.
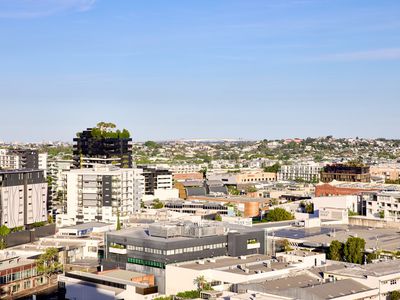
<point>150,250</point>
<point>23,197</point>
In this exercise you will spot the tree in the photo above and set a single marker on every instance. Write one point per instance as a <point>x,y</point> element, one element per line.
<point>118,227</point>
<point>48,264</point>
<point>279,214</point>
<point>382,214</point>
<point>189,294</point>
<point>353,250</point>
<point>157,204</point>
<point>273,169</point>
<point>151,144</point>
<point>251,189</point>
<point>335,251</point>
<point>395,295</point>
<point>284,245</point>
<point>4,231</point>
<point>309,207</point>
<point>50,219</point>
<point>372,256</point>
<point>200,281</point>
<point>218,217</point>
<point>232,190</point>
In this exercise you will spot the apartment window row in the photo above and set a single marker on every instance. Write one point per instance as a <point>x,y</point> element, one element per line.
<point>17,276</point>
<point>177,251</point>
<point>144,262</point>
<point>258,179</point>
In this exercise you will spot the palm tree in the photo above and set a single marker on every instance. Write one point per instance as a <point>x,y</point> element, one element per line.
<point>200,281</point>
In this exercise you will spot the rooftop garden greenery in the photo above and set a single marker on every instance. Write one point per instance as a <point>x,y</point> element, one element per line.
<point>105,130</point>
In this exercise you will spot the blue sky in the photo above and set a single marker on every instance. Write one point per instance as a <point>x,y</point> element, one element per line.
<point>200,68</point>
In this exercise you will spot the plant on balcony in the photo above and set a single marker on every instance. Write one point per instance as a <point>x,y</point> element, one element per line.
<point>117,246</point>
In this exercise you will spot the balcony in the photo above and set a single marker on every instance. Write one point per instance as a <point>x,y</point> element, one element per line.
<point>253,246</point>
<point>117,249</point>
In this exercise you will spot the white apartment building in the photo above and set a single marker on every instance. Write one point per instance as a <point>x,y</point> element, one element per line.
<point>102,194</point>
<point>385,205</point>
<point>9,161</point>
<point>309,171</point>
<point>42,162</point>
<point>57,169</point>
<point>185,168</point>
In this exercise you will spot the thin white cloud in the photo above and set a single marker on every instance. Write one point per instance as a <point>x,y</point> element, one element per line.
<point>25,9</point>
<point>370,55</point>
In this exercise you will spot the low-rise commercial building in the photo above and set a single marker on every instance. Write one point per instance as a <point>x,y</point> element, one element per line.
<point>109,285</point>
<point>223,273</point>
<point>19,277</point>
<point>151,250</point>
<point>336,188</point>
<point>200,208</point>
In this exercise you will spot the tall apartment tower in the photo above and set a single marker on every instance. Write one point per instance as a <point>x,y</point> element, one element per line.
<point>23,197</point>
<point>102,145</point>
<point>102,194</point>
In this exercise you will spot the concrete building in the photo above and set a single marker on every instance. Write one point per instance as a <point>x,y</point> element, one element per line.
<point>156,178</point>
<point>185,168</point>
<point>341,172</point>
<point>42,162</point>
<point>150,251</point>
<point>386,171</point>
<point>306,171</point>
<point>103,194</point>
<point>23,197</point>
<point>108,285</point>
<point>255,176</point>
<point>199,208</point>
<point>86,229</point>
<point>337,188</point>
<point>9,161</point>
<point>19,277</point>
<point>383,277</point>
<point>383,205</point>
<point>243,177</point>
<point>224,273</point>
<point>13,159</point>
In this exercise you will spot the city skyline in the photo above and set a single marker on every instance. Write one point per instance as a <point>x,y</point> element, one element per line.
<point>205,69</point>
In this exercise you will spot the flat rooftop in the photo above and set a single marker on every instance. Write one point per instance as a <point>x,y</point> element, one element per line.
<point>224,262</point>
<point>338,288</point>
<point>302,253</point>
<point>298,281</point>
<point>364,185</point>
<point>121,274</point>
<point>13,262</point>
<point>86,226</point>
<point>123,277</point>
<point>384,238</point>
<point>230,199</point>
<point>376,269</point>
<point>143,233</point>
